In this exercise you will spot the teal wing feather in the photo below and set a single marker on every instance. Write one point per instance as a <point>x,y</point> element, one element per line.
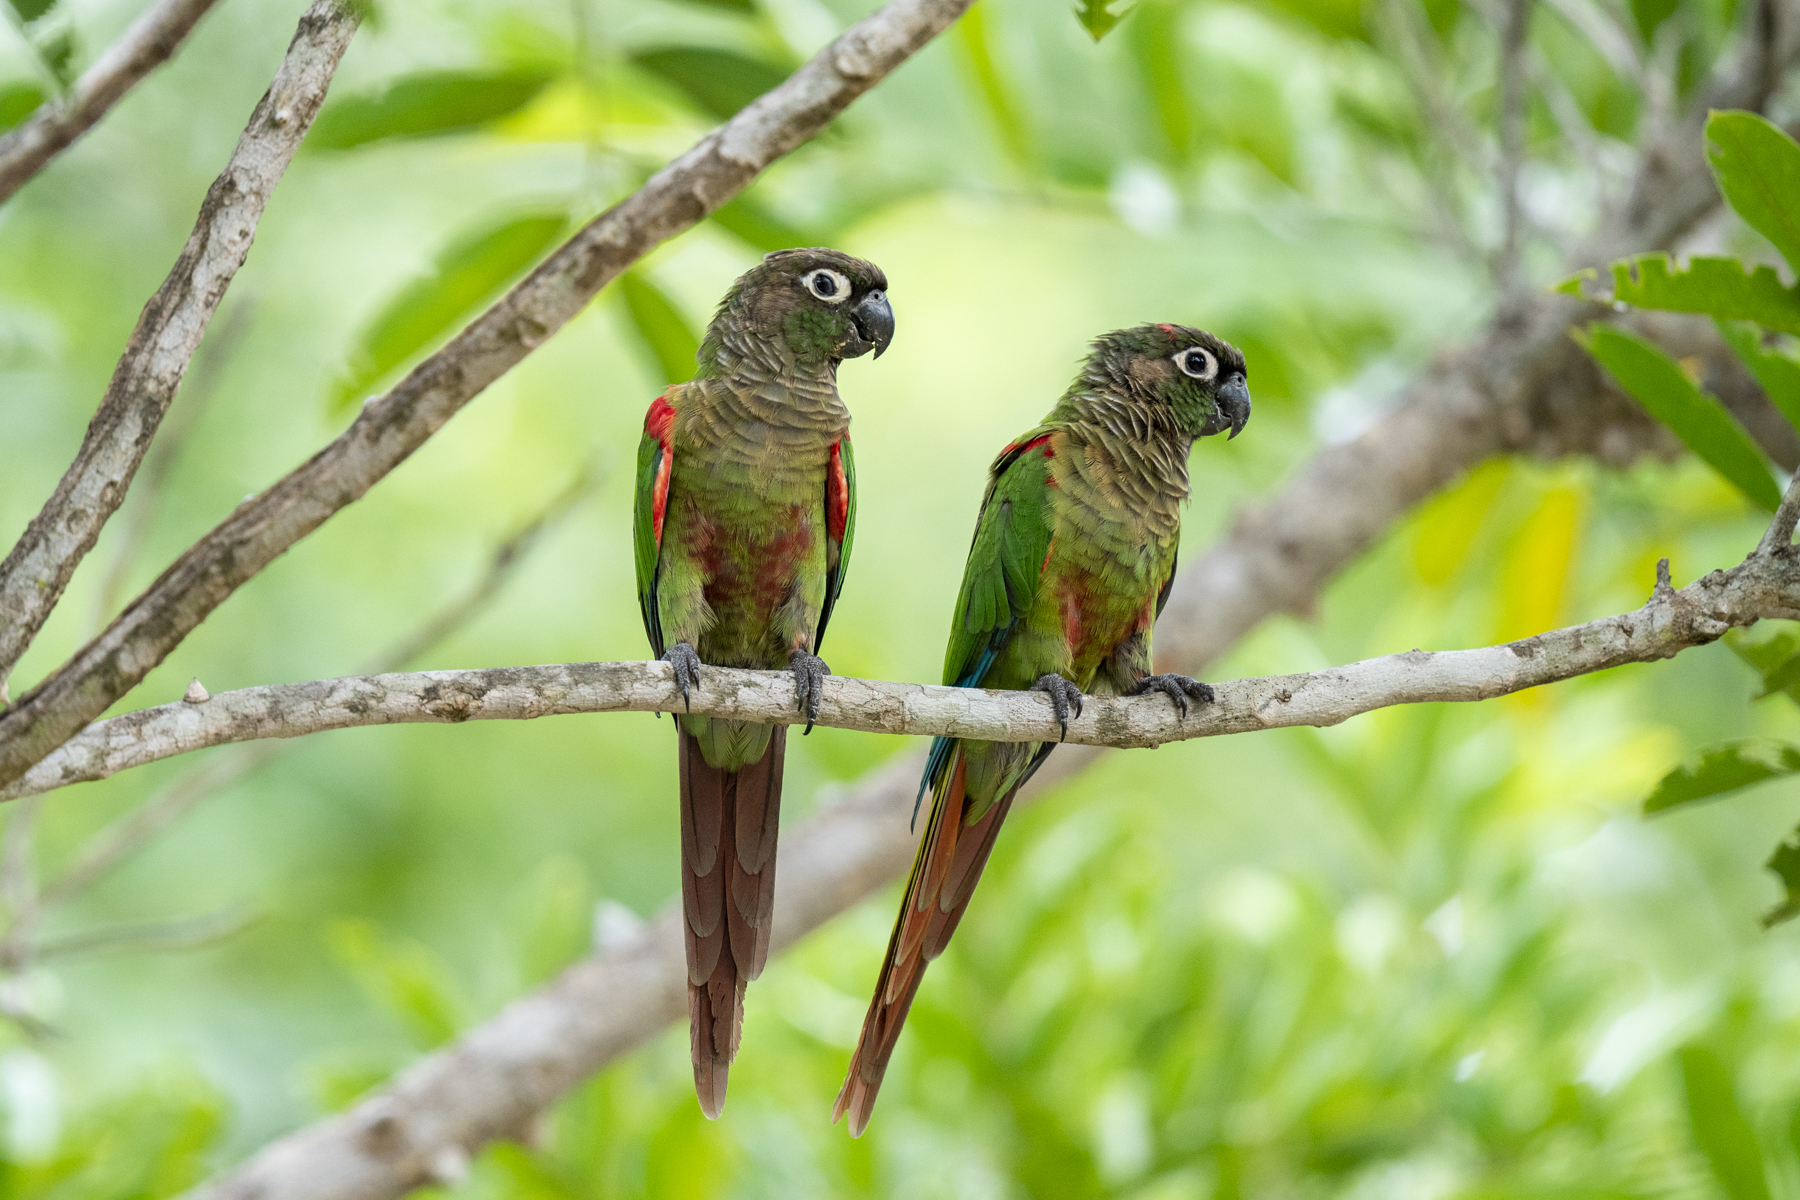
<point>1000,582</point>
<point>840,493</point>
<point>646,544</point>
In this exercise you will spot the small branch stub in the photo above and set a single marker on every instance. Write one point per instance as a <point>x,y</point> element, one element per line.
<point>196,692</point>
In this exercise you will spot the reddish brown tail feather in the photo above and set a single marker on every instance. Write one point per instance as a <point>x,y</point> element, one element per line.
<point>728,828</point>
<point>951,856</point>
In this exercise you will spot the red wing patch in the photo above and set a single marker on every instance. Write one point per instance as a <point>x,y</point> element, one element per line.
<point>837,494</point>
<point>1041,440</point>
<point>657,423</point>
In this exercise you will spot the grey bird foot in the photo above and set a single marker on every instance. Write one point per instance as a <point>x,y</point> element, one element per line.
<point>686,662</point>
<point>809,684</point>
<point>1064,696</point>
<point>1176,687</point>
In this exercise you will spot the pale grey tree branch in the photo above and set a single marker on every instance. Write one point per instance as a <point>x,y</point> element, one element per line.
<point>392,427</point>
<point>36,571</point>
<point>1767,584</point>
<point>144,46</point>
<point>145,503</point>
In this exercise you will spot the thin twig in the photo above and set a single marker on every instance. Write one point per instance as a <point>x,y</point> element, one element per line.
<point>1780,534</point>
<point>1508,270</point>
<point>18,884</point>
<point>146,45</point>
<point>186,933</point>
<point>393,426</point>
<point>506,556</point>
<point>36,571</point>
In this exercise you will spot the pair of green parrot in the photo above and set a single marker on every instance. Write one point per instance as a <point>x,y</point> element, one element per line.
<point>746,505</point>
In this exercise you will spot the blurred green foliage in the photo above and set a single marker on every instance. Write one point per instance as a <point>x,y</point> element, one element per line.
<point>1432,953</point>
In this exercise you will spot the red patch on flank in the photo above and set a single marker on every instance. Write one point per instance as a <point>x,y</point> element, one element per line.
<point>1071,618</point>
<point>1048,551</point>
<point>1034,443</point>
<point>657,423</point>
<point>1147,619</point>
<point>837,495</point>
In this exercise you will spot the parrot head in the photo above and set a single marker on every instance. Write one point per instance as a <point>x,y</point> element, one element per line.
<point>1196,377</point>
<point>819,305</point>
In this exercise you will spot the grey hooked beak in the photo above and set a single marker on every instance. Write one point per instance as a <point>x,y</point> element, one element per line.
<point>874,321</point>
<point>1233,407</point>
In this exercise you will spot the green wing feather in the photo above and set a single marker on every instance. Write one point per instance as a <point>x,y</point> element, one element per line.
<point>837,554</point>
<point>643,537</point>
<point>1012,536</point>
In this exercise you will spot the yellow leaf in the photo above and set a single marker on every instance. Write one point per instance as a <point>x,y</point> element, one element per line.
<point>1446,529</point>
<point>1534,585</point>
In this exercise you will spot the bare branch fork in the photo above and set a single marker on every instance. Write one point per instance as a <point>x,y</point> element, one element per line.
<point>34,574</point>
<point>392,427</point>
<point>1767,584</point>
<point>148,43</point>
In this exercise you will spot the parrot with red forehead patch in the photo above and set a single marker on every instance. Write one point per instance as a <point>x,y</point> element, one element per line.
<point>1073,558</point>
<point>746,505</point>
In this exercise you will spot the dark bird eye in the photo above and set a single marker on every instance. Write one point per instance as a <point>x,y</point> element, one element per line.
<point>1197,362</point>
<point>826,284</point>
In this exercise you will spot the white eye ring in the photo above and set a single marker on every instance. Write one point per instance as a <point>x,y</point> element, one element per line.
<point>1197,357</point>
<point>826,284</point>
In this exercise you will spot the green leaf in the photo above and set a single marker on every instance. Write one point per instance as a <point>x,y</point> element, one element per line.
<point>559,919</point>
<point>743,6</point>
<point>404,978</point>
<point>31,10</point>
<point>1776,658</point>
<point>720,82</point>
<point>1785,862</point>
<point>1720,1130</point>
<point>58,53</point>
<point>17,102</point>
<point>1720,287</point>
<point>1758,169</point>
<point>973,39</point>
<point>1155,40</point>
<point>748,219</point>
<point>1775,367</point>
<point>466,275</point>
<point>1650,14</point>
<point>1097,18</point>
<point>425,106</point>
<point>1720,770</point>
<point>1657,382</point>
<point>670,340</point>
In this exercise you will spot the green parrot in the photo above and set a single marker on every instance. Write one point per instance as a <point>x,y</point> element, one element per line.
<point>1073,556</point>
<point>746,501</point>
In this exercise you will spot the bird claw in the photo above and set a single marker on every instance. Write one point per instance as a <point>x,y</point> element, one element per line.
<point>809,684</point>
<point>686,662</point>
<point>1063,697</point>
<point>1176,687</point>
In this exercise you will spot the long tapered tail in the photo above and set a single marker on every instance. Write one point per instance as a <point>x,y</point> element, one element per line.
<point>945,871</point>
<point>729,821</point>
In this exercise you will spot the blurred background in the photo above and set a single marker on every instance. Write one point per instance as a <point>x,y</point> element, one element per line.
<point>1433,952</point>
